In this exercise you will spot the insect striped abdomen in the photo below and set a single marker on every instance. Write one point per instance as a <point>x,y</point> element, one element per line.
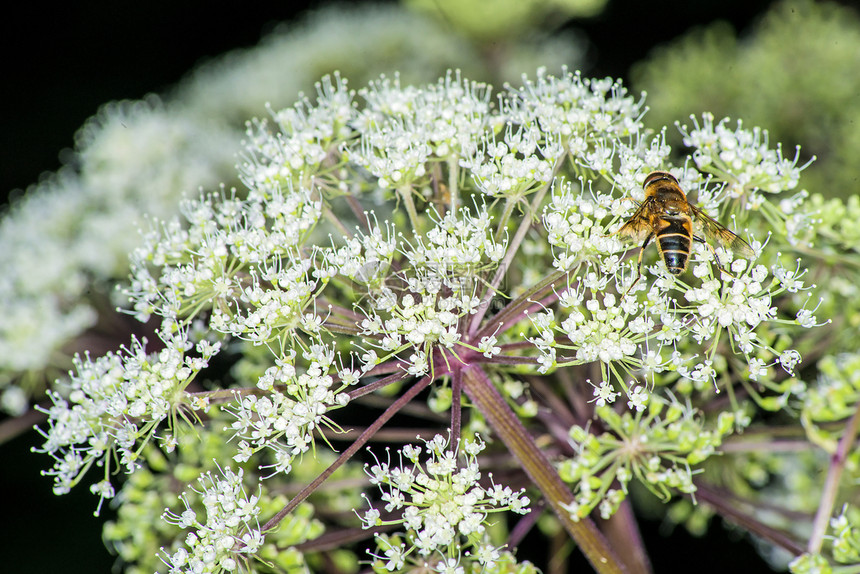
<point>674,239</point>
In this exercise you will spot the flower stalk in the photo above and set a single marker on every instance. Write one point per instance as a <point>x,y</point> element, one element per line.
<point>517,439</point>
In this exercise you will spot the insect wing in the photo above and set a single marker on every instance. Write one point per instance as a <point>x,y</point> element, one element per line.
<point>719,233</point>
<point>639,225</point>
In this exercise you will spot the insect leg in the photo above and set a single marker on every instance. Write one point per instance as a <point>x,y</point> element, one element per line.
<point>716,257</point>
<point>639,263</point>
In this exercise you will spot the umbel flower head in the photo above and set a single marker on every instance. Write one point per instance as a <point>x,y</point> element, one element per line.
<point>397,238</point>
<point>66,241</point>
<point>439,501</point>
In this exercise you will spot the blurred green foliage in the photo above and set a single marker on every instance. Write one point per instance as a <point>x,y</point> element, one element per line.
<point>491,21</point>
<point>797,73</point>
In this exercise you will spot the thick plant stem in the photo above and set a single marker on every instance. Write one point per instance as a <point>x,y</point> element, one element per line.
<point>725,506</point>
<point>831,484</point>
<point>508,427</point>
<point>623,533</point>
<point>456,406</point>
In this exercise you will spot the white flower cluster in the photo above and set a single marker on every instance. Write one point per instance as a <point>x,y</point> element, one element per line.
<point>404,128</point>
<point>229,534</point>
<point>254,267</point>
<point>575,232</point>
<point>71,231</point>
<point>314,292</point>
<point>458,245</point>
<point>741,157</point>
<point>197,264</point>
<point>306,135</point>
<point>578,110</point>
<point>293,405</point>
<point>547,118</point>
<point>362,42</point>
<point>595,325</point>
<point>518,164</point>
<point>440,502</point>
<point>416,322</point>
<point>112,404</point>
<point>438,285</point>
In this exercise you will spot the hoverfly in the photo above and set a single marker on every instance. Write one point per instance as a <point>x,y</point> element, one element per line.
<point>667,215</point>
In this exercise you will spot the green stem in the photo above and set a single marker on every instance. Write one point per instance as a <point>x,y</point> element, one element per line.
<point>508,427</point>
<point>334,220</point>
<point>453,182</point>
<point>456,405</point>
<point>503,221</point>
<point>409,203</point>
<point>513,247</point>
<point>342,329</point>
<point>378,384</point>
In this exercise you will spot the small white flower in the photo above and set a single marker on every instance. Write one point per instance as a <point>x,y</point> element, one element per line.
<point>231,515</point>
<point>637,398</point>
<point>488,347</point>
<point>603,394</point>
<point>789,359</point>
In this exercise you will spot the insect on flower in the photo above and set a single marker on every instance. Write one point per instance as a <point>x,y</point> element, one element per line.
<point>667,215</point>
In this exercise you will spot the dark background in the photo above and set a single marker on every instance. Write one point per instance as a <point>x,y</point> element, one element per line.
<point>63,61</point>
